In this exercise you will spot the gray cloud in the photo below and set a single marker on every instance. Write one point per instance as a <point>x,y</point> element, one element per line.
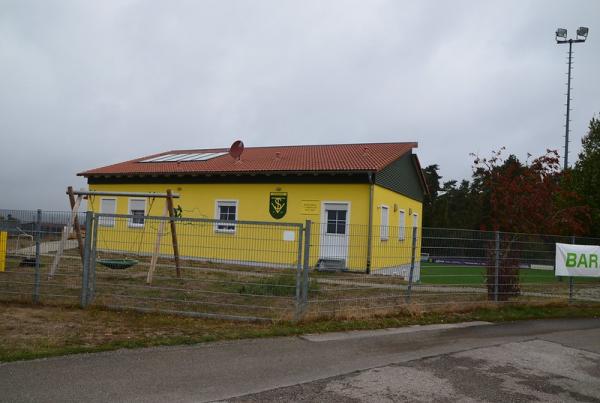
<point>86,84</point>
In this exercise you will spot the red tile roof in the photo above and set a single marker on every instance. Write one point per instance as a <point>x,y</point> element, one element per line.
<point>309,158</point>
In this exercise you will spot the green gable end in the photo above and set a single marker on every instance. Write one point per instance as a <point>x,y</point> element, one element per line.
<point>401,176</point>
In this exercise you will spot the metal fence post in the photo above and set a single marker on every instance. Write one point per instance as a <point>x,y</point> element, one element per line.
<point>38,242</point>
<point>412,264</point>
<point>571,277</point>
<point>299,287</point>
<point>497,266</point>
<point>86,259</point>
<point>306,265</point>
<point>93,256</point>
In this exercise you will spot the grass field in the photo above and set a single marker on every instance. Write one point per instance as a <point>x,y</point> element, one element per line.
<point>438,273</point>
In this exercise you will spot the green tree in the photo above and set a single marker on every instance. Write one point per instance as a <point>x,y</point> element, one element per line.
<point>449,204</point>
<point>432,178</point>
<point>457,207</point>
<point>586,173</point>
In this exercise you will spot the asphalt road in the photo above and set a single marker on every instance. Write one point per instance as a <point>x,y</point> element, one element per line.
<point>550,360</point>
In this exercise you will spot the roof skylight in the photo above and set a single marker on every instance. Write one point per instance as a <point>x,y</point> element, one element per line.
<point>184,157</point>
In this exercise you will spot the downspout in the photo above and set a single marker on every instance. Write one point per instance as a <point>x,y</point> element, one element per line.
<point>370,229</point>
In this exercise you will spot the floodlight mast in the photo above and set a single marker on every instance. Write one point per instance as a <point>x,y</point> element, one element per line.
<point>561,38</point>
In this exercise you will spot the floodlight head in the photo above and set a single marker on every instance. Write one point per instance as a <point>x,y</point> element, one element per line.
<point>561,33</point>
<point>582,32</point>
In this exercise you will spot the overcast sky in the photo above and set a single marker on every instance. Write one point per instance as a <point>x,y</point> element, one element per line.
<point>89,83</point>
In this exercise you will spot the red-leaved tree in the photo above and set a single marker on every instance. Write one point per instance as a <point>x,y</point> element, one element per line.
<point>529,198</point>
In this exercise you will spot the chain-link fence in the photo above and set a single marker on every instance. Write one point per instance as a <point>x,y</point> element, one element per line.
<point>454,269</point>
<point>238,269</point>
<point>375,249</point>
<point>273,270</point>
<point>32,240</point>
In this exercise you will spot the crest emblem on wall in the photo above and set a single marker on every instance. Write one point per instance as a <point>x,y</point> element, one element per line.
<point>278,205</point>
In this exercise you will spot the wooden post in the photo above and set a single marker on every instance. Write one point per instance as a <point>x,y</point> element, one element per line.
<point>65,237</point>
<point>173,231</point>
<point>76,222</point>
<point>161,230</point>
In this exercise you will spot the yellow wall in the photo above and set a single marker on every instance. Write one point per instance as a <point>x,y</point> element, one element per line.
<point>394,251</point>
<point>3,237</point>
<point>256,243</point>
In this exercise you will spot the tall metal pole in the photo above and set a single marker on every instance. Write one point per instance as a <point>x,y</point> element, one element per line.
<point>561,39</point>
<point>566,159</point>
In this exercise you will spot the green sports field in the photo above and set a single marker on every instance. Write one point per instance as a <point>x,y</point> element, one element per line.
<point>439,273</point>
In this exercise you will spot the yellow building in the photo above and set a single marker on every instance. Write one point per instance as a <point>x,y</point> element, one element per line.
<point>363,201</point>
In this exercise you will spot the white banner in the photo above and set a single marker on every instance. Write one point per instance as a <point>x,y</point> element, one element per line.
<point>577,260</point>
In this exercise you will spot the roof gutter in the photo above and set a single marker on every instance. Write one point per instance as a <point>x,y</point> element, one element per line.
<point>221,173</point>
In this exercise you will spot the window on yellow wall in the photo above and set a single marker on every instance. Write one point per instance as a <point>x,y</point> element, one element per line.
<point>415,222</point>
<point>385,223</point>
<point>226,211</point>
<point>107,206</point>
<point>137,209</point>
<point>401,225</point>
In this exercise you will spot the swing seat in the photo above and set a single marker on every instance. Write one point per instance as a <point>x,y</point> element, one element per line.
<point>117,264</point>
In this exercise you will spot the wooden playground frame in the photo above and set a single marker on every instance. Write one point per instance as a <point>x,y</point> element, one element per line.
<point>75,199</point>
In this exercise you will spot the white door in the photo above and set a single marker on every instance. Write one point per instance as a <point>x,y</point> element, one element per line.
<point>335,220</point>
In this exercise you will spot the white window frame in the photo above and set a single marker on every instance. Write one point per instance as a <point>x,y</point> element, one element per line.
<point>323,215</point>
<point>401,225</point>
<point>107,221</point>
<point>326,222</point>
<point>131,223</point>
<point>415,223</point>
<point>220,225</point>
<point>384,228</point>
